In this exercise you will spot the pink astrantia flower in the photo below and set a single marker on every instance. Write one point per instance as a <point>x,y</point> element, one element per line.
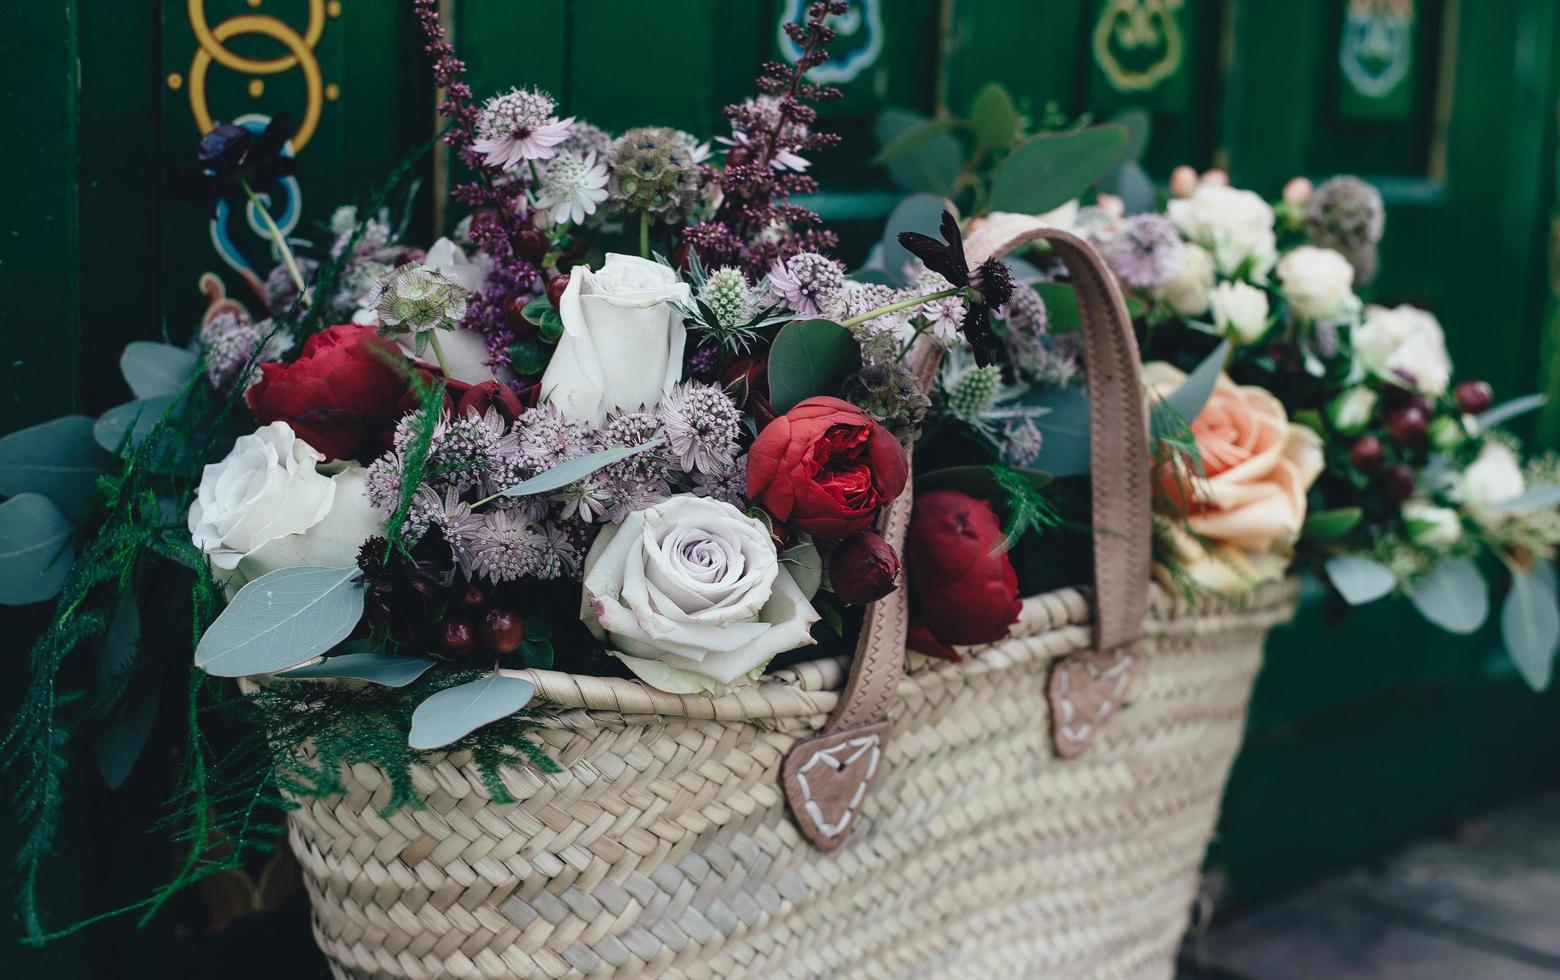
<point>518,126</point>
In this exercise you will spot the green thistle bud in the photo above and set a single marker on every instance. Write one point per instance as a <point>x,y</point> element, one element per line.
<point>727,294</point>
<point>972,393</point>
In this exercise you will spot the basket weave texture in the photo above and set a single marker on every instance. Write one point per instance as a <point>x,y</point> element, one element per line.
<point>664,848</point>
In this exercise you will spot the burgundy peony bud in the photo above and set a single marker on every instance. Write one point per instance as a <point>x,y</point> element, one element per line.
<point>530,245</point>
<point>1367,454</point>
<point>473,596</point>
<point>863,569</point>
<point>490,394</point>
<point>1408,426</point>
<point>555,287</point>
<point>1474,397</point>
<point>744,377</point>
<point>1397,483</point>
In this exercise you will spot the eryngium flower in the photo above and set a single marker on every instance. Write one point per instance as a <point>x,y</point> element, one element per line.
<point>415,298</point>
<point>727,294</point>
<point>652,170</point>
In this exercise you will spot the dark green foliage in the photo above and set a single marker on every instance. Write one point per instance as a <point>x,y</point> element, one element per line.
<point>414,460</point>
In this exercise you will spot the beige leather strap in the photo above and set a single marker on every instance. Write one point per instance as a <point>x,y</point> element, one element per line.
<point>826,777</point>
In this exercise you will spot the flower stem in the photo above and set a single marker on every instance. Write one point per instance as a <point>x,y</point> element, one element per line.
<point>903,304</point>
<point>438,353</point>
<point>280,240</point>
<point>644,234</point>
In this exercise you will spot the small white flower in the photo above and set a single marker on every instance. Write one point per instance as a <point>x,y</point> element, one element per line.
<point>1235,225</point>
<point>572,187</point>
<point>1319,282</point>
<point>1493,478</point>
<point>1187,290</point>
<point>1404,345</point>
<point>1351,411</point>
<point>1240,310</point>
<point>1430,526</point>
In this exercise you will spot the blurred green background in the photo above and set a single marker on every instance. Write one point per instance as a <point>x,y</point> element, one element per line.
<point>1360,736</point>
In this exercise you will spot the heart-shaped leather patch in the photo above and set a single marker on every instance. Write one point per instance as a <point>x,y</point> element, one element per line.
<point>1086,688</point>
<point>826,779</point>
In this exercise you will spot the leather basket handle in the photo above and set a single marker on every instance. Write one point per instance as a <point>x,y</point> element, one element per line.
<point>826,777</point>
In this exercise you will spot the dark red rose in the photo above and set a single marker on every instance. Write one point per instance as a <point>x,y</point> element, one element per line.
<point>825,467</point>
<point>342,394</point>
<point>863,569</point>
<point>490,394</point>
<point>962,586</point>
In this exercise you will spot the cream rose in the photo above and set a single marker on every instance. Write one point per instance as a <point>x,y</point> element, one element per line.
<point>1318,281</point>
<point>1257,466</point>
<point>691,595</point>
<point>1494,477</point>
<point>1240,310</point>
<point>1404,345</point>
<point>1187,290</point>
<point>622,343</point>
<point>266,506</point>
<point>1235,225</point>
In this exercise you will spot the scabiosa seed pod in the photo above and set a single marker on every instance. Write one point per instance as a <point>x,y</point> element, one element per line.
<point>971,393</point>
<point>415,298</point>
<point>727,293</point>
<point>652,170</point>
<point>889,392</point>
<point>1347,214</point>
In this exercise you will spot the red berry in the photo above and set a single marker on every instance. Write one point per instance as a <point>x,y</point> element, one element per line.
<point>555,287</point>
<point>737,156</point>
<point>514,316</point>
<point>679,256</point>
<point>473,596</point>
<point>530,244</point>
<point>1397,483</point>
<point>457,639</point>
<point>1367,454</point>
<point>502,631</point>
<point>1474,397</point>
<point>1408,426</point>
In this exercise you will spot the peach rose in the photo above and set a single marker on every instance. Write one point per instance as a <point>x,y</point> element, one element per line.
<point>1257,466</point>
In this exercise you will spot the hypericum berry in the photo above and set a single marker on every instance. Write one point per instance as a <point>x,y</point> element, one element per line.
<point>514,315</point>
<point>1408,426</point>
<point>555,287</point>
<point>457,639</point>
<point>1397,483</point>
<point>1367,454</point>
<point>679,256</point>
<point>530,244</point>
<point>1474,397</point>
<point>1394,397</point>
<point>473,596</point>
<point>502,631</point>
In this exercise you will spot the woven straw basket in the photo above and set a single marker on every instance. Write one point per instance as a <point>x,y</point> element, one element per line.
<point>707,837</point>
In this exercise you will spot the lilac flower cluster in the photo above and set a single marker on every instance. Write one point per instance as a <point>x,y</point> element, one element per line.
<point>475,456</point>
<point>755,225</point>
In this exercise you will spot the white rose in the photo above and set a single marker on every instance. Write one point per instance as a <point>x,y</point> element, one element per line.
<point>1404,345</point>
<point>622,343</point>
<point>266,506</point>
<point>1493,478</point>
<point>1353,410</point>
<point>1431,526</point>
<point>1187,290</point>
<point>1236,225</point>
<point>1318,281</point>
<point>1240,310</point>
<point>446,258</point>
<point>691,595</point>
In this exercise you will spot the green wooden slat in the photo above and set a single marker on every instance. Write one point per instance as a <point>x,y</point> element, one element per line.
<point>1036,50</point>
<point>642,64</point>
<point>517,42</point>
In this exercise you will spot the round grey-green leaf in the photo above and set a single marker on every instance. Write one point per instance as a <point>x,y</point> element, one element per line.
<point>456,712</point>
<point>153,369</point>
<point>58,459</point>
<point>1453,596</point>
<point>35,549</point>
<point>1360,580</point>
<point>377,668</point>
<point>807,358</point>
<point>280,620</point>
<point>1530,627</point>
<point>1046,171</point>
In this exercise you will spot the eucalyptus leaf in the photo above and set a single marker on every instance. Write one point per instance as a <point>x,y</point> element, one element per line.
<point>1064,430</point>
<point>58,459</point>
<point>126,425</point>
<point>932,167</point>
<point>912,138</point>
<point>280,620</point>
<point>456,712</point>
<point>386,669</point>
<point>35,549</point>
<point>1453,595</point>
<point>528,357</point>
<point>1507,411</point>
<point>1139,126</point>
<point>1188,400</point>
<point>1048,170</point>
<point>807,358</point>
<point>122,738</point>
<point>918,212</point>
<point>1360,580</point>
<point>1131,183</point>
<point>151,368</point>
<point>993,118</point>
<point>805,564</point>
<point>1530,627</point>
<point>1547,496</point>
<point>1330,525</point>
<point>574,470</point>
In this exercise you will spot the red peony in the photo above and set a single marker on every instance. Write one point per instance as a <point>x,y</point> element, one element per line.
<point>341,396</point>
<point>962,586</point>
<point>825,467</point>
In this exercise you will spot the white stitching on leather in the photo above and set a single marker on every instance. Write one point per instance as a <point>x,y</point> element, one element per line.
<point>1121,671</point>
<point>862,744</point>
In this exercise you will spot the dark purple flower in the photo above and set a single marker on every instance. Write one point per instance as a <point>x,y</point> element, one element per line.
<point>231,156</point>
<point>987,287</point>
